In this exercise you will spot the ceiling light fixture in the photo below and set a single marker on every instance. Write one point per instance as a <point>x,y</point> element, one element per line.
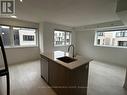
<point>13,16</point>
<point>5,27</point>
<point>21,0</point>
<point>2,33</point>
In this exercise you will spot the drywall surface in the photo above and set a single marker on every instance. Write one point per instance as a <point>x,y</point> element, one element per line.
<point>41,37</point>
<point>16,22</point>
<point>18,55</point>
<point>1,88</point>
<point>85,36</point>
<point>48,36</point>
<point>85,47</point>
<point>111,24</point>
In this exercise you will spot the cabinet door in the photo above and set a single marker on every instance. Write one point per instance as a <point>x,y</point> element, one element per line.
<point>58,78</point>
<point>44,69</point>
<point>51,73</point>
<point>125,85</point>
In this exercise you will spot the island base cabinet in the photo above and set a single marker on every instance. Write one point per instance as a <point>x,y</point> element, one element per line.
<point>79,80</point>
<point>68,82</point>
<point>125,84</point>
<point>58,78</point>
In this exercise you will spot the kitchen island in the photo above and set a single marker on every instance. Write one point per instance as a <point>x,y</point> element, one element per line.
<point>65,78</point>
<point>125,84</point>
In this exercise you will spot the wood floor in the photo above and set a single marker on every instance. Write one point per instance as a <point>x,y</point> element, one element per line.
<point>104,79</point>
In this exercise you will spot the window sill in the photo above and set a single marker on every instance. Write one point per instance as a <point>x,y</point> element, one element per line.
<point>15,47</point>
<point>110,46</point>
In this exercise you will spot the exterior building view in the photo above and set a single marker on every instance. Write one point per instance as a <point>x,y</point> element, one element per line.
<point>62,38</point>
<point>112,38</point>
<point>27,36</point>
<point>21,36</point>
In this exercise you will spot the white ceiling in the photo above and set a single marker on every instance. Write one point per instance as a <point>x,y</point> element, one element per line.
<point>67,12</point>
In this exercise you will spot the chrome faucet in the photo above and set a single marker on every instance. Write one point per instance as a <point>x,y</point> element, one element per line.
<point>73,49</point>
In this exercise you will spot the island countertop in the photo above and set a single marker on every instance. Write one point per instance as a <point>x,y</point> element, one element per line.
<point>53,55</point>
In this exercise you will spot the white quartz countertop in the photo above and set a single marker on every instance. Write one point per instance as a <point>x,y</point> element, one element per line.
<point>53,55</point>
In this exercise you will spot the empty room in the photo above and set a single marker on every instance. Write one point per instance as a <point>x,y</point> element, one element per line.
<point>63,47</point>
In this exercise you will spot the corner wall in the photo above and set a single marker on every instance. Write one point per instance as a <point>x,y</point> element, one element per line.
<point>48,36</point>
<point>85,46</point>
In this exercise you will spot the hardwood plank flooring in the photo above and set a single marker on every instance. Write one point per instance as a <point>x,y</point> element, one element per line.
<point>104,79</point>
<point>26,80</point>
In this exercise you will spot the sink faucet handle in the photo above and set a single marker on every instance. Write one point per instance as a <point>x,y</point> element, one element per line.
<point>73,49</point>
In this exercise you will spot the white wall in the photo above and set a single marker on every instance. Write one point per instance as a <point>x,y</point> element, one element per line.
<point>48,36</point>
<point>16,22</point>
<point>41,37</point>
<point>1,88</point>
<point>85,46</point>
<point>18,55</point>
<point>22,54</point>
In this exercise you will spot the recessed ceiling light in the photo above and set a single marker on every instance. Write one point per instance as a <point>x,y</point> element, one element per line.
<point>2,33</point>
<point>21,0</point>
<point>5,27</point>
<point>14,16</point>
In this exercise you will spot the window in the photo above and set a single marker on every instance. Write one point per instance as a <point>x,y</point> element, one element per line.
<point>28,38</point>
<point>122,43</point>
<point>68,38</point>
<point>18,36</point>
<point>5,34</point>
<point>113,38</point>
<point>24,36</point>
<point>62,38</point>
<point>98,41</point>
<point>121,34</point>
<point>100,33</point>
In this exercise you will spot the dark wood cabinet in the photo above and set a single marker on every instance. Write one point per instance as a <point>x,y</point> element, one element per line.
<point>125,84</point>
<point>65,81</point>
<point>58,78</point>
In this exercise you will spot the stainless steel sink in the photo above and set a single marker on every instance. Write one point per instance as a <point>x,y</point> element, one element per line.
<point>66,59</point>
